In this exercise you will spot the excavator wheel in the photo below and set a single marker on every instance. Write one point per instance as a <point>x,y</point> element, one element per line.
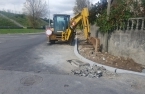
<point>52,41</point>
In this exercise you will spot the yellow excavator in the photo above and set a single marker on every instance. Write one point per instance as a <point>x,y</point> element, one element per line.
<point>64,27</point>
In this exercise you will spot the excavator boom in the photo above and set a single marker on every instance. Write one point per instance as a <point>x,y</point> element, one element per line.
<point>83,18</point>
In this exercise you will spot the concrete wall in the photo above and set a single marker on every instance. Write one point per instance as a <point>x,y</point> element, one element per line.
<point>129,43</point>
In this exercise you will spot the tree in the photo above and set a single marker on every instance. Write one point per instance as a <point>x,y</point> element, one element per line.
<point>80,4</point>
<point>96,10</point>
<point>143,7</point>
<point>108,20</point>
<point>138,8</point>
<point>35,9</point>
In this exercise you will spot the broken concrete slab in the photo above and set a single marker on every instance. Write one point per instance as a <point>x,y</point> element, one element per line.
<point>77,63</point>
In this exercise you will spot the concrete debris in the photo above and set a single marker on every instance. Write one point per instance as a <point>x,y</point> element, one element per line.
<point>91,72</point>
<point>103,58</point>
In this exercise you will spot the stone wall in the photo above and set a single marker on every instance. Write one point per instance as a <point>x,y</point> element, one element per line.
<point>127,43</point>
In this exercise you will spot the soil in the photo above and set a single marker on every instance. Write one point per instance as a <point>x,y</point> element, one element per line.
<point>87,50</point>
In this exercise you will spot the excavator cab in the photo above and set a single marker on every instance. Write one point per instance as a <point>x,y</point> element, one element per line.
<point>60,25</point>
<point>61,22</point>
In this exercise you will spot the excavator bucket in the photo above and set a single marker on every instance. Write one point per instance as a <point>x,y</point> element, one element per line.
<point>95,42</point>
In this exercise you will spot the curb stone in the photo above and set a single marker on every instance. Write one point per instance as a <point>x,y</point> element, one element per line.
<point>111,69</point>
<point>33,33</point>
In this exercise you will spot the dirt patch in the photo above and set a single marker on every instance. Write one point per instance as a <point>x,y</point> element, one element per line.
<point>88,51</point>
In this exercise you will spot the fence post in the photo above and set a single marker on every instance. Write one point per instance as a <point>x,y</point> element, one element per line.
<point>137,24</point>
<point>142,24</point>
<point>128,25</point>
<point>132,23</point>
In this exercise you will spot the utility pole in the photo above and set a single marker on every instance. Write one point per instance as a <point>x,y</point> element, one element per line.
<point>49,12</point>
<point>88,2</point>
<point>106,34</point>
<point>108,9</point>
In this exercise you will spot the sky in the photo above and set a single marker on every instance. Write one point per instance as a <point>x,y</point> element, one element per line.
<point>56,6</point>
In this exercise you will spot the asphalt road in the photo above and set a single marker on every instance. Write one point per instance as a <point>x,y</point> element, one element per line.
<point>30,53</point>
<point>16,52</point>
<point>29,66</point>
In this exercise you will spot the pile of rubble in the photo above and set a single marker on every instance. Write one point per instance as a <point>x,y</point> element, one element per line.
<point>91,72</point>
<point>85,70</point>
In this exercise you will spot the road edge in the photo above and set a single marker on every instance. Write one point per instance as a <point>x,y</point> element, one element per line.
<point>24,33</point>
<point>112,69</point>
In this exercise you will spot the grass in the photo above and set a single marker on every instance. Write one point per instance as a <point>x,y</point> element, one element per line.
<point>6,22</point>
<point>14,31</point>
<point>21,18</point>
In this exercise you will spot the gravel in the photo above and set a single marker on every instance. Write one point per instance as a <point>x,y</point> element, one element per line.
<point>91,72</point>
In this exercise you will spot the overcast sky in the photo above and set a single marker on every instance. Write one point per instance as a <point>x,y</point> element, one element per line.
<point>56,6</point>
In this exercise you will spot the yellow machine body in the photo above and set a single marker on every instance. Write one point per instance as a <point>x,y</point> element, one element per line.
<point>68,27</point>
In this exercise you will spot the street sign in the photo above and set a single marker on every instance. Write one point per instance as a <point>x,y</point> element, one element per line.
<point>48,32</point>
